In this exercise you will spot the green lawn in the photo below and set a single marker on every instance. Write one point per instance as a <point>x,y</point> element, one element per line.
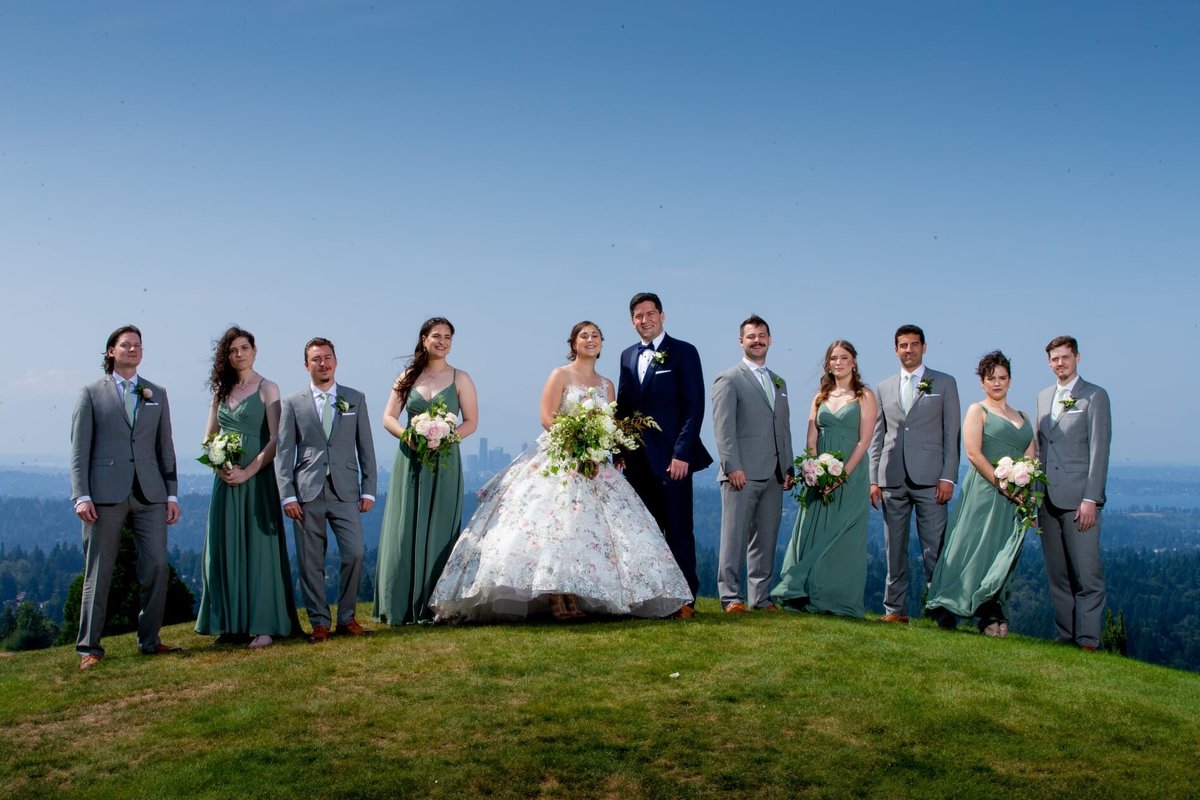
<point>765,706</point>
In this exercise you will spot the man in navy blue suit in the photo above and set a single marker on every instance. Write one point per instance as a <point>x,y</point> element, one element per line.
<point>661,377</point>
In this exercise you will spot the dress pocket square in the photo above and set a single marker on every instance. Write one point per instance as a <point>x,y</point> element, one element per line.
<point>148,403</point>
<point>1074,411</point>
<point>661,371</point>
<point>349,413</point>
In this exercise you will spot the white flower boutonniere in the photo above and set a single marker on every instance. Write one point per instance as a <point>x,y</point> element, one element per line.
<point>778,382</point>
<point>341,405</point>
<point>1068,402</point>
<point>659,358</point>
<point>925,385</point>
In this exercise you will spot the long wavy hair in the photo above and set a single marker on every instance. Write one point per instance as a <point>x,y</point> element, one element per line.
<point>109,362</point>
<point>575,331</point>
<point>829,383</point>
<point>420,359</point>
<point>223,377</point>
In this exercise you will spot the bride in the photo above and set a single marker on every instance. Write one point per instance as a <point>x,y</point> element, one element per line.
<point>562,543</point>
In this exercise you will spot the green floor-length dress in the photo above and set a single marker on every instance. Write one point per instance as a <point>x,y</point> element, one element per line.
<point>825,565</point>
<point>421,523</point>
<point>984,538</point>
<point>247,579</point>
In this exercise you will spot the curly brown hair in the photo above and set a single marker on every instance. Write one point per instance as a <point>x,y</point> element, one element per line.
<point>223,376</point>
<point>828,383</point>
<point>420,359</point>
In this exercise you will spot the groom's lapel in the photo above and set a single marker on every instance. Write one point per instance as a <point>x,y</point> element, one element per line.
<point>754,383</point>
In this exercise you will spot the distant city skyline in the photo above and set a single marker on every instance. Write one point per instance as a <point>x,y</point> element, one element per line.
<point>997,173</point>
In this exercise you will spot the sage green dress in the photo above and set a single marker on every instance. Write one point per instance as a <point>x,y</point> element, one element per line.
<point>973,575</point>
<point>825,564</point>
<point>247,578</point>
<point>421,523</point>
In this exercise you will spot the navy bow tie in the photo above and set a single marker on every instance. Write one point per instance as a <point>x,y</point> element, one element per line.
<point>643,347</point>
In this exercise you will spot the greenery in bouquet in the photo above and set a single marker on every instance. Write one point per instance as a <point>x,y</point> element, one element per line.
<point>588,434</point>
<point>817,475</point>
<point>430,433</point>
<point>221,450</point>
<point>1022,479</point>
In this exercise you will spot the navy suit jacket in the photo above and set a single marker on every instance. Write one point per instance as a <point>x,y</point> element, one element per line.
<point>673,394</point>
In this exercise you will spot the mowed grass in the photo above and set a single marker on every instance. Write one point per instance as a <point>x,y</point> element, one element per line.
<point>764,706</point>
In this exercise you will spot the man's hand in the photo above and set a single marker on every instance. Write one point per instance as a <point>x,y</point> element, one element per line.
<point>677,470</point>
<point>86,511</point>
<point>365,504</point>
<point>1085,515</point>
<point>943,492</point>
<point>293,511</point>
<point>788,482</point>
<point>737,479</point>
<point>172,512</point>
<point>876,496</point>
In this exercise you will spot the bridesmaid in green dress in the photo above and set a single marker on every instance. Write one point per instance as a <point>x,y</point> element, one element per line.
<point>825,564</point>
<point>247,580</point>
<point>983,541</point>
<point>423,516</point>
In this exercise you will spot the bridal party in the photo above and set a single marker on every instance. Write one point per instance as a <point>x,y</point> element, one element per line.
<point>595,519</point>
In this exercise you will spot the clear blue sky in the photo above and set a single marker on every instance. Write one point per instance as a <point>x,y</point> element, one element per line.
<point>999,173</point>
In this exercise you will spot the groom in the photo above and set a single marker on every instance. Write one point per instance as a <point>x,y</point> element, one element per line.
<point>661,377</point>
<point>123,471</point>
<point>752,420</point>
<point>1074,429</point>
<point>914,463</point>
<point>325,465</point>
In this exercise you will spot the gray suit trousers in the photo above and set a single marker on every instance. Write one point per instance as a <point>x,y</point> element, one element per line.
<point>1075,575</point>
<point>749,531</point>
<point>898,506</point>
<point>311,543</point>
<point>100,543</point>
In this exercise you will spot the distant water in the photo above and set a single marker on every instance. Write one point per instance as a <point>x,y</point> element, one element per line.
<point>1118,502</point>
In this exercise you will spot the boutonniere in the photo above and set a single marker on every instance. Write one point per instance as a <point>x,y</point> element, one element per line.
<point>1068,402</point>
<point>144,391</point>
<point>778,382</point>
<point>659,358</point>
<point>341,405</point>
<point>925,385</point>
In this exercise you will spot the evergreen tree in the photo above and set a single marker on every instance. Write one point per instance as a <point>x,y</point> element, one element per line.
<point>31,629</point>
<point>1113,638</point>
<point>124,596</point>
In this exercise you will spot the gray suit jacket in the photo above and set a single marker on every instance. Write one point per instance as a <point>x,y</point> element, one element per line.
<point>750,437</point>
<point>304,456</point>
<point>1074,449</point>
<point>106,451</point>
<point>922,445</point>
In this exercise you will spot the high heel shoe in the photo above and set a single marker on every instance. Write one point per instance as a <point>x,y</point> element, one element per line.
<point>573,607</point>
<point>558,607</point>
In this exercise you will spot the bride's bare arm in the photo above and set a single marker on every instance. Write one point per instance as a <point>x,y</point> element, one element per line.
<point>552,396</point>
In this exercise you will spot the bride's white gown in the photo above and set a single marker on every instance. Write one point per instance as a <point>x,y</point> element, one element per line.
<point>535,535</point>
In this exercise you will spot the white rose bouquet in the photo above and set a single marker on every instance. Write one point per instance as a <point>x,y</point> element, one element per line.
<point>587,434</point>
<point>1019,480</point>
<point>431,433</point>
<point>818,475</point>
<point>221,450</point>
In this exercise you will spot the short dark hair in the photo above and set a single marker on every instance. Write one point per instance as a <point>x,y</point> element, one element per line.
<point>756,320</point>
<point>109,362</point>
<point>318,341</point>
<point>642,297</point>
<point>907,330</point>
<point>1063,341</point>
<point>989,363</point>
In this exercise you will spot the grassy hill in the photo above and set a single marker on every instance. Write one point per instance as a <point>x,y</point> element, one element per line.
<point>764,706</point>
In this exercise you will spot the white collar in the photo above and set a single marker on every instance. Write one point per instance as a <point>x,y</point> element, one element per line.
<point>657,341</point>
<point>750,365</point>
<point>1070,386</point>
<point>316,393</point>
<point>919,372</point>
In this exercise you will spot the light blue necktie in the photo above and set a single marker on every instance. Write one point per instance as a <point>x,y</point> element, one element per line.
<point>326,414</point>
<point>765,379</point>
<point>906,393</point>
<point>130,397</point>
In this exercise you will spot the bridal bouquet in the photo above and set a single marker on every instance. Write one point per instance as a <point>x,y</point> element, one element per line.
<point>221,450</point>
<point>584,436</point>
<point>1019,479</point>
<point>431,433</point>
<point>816,474</point>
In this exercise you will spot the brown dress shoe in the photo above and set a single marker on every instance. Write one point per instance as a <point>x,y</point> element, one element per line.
<point>1088,648</point>
<point>684,612</point>
<point>161,649</point>
<point>902,619</point>
<point>320,633</point>
<point>768,607</point>
<point>736,607</point>
<point>89,661</point>
<point>352,628</point>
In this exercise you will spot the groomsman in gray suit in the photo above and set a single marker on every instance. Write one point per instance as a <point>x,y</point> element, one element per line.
<point>123,471</point>
<point>754,446</point>
<point>325,465</point>
<point>1074,429</point>
<point>914,462</point>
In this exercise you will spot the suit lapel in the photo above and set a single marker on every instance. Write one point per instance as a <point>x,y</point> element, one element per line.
<point>756,384</point>
<point>114,393</point>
